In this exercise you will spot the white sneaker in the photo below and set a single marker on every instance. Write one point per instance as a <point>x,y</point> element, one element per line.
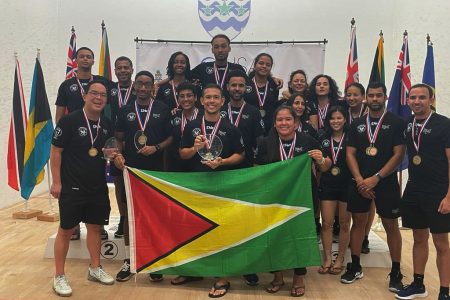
<point>97,274</point>
<point>61,286</point>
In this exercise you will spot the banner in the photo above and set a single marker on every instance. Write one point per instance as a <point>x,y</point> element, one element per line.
<point>251,220</point>
<point>286,57</point>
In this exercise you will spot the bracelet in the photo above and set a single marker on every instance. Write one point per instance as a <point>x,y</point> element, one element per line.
<point>378,175</point>
<point>322,161</point>
<point>158,148</point>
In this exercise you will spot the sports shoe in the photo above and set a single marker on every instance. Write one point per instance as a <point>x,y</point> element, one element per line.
<point>155,277</point>
<point>61,286</point>
<point>76,234</point>
<point>412,291</point>
<point>104,234</point>
<point>119,233</point>
<point>443,296</point>
<point>251,279</point>
<point>351,275</point>
<point>395,282</point>
<point>97,274</point>
<point>365,247</point>
<point>124,273</point>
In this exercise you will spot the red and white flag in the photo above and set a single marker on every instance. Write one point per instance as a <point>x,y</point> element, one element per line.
<point>71,56</point>
<point>352,62</point>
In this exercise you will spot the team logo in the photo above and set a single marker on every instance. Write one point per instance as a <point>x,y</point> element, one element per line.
<point>248,89</point>
<point>361,128</point>
<point>105,131</point>
<point>223,133</point>
<point>384,127</point>
<point>409,127</point>
<point>82,131</point>
<point>226,17</point>
<point>196,132</point>
<point>114,92</point>
<point>167,92</point>
<point>156,116</point>
<point>131,116</point>
<point>262,123</point>
<point>209,70</point>
<point>73,87</point>
<point>245,117</point>
<point>57,133</point>
<point>223,114</point>
<point>326,143</point>
<point>176,121</point>
<point>298,149</point>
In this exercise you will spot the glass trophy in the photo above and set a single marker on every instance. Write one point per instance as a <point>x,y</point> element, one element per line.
<point>212,149</point>
<point>110,150</point>
<point>140,140</point>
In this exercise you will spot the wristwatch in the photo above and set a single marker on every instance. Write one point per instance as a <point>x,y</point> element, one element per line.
<point>377,175</point>
<point>158,147</point>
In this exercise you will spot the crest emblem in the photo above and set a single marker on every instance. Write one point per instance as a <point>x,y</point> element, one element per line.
<point>114,92</point>
<point>73,87</point>
<point>131,116</point>
<point>82,131</point>
<point>209,70</point>
<point>57,133</point>
<point>176,121</point>
<point>223,114</point>
<point>196,131</point>
<point>167,92</point>
<point>227,17</point>
<point>361,128</point>
<point>326,143</point>
<point>248,89</point>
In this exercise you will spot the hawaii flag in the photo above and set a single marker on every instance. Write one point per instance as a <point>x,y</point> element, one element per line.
<point>235,222</point>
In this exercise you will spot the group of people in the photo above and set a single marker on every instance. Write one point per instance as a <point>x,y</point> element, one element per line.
<point>356,147</point>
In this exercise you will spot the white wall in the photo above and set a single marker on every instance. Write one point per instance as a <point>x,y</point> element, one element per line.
<point>45,24</point>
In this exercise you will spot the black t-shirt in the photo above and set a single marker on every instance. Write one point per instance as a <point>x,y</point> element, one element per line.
<point>70,96</point>
<point>229,135</point>
<point>81,174</point>
<point>157,130</point>
<point>250,125</point>
<point>391,134</point>
<point>327,179</point>
<point>115,100</point>
<point>307,128</point>
<point>432,173</point>
<point>166,94</point>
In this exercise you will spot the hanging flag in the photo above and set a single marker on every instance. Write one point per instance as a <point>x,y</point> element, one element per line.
<point>352,62</point>
<point>39,134</point>
<point>71,56</point>
<point>428,70</point>
<point>104,67</point>
<point>17,131</point>
<point>377,72</point>
<point>222,223</point>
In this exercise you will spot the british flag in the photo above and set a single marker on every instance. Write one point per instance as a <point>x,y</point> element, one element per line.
<point>71,56</point>
<point>352,62</point>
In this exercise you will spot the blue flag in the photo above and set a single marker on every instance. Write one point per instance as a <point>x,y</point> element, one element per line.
<point>428,71</point>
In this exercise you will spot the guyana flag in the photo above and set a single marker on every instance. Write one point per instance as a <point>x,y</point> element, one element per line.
<point>226,223</point>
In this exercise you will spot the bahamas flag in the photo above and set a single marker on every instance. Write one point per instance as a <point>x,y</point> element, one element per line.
<point>38,136</point>
<point>235,222</point>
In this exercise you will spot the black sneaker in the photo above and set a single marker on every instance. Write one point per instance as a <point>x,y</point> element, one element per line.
<point>76,234</point>
<point>124,273</point>
<point>119,233</point>
<point>395,282</point>
<point>412,291</point>
<point>155,277</point>
<point>104,234</point>
<point>251,279</point>
<point>443,296</point>
<point>351,275</point>
<point>365,247</point>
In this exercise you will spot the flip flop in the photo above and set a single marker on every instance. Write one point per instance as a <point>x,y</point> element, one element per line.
<point>336,270</point>
<point>297,291</point>
<point>184,279</point>
<point>274,287</point>
<point>219,287</point>
<point>324,270</point>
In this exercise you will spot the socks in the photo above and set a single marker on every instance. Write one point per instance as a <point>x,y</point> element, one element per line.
<point>395,267</point>
<point>443,290</point>
<point>418,279</point>
<point>356,262</point>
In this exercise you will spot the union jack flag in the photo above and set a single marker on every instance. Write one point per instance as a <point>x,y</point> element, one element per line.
<point>401,85</point>
<point>352,62</point>
<point>71,56</point>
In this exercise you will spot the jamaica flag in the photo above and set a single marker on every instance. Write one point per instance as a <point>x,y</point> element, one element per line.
<point>226,223</point>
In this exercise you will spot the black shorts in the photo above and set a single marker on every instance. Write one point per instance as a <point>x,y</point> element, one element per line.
<point>332,194</point>
<point>90,210</point>
<point>419,210</point>
<point>387,198</point>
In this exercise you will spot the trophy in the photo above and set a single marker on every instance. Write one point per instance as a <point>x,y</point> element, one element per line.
<point>110,150</point>
<point>140,140</point>
<point>212,149</point>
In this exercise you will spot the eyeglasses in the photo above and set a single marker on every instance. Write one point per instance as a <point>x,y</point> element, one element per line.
<point>97,94</point>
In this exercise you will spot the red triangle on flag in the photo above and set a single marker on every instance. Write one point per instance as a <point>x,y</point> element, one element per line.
<point>156,231</point>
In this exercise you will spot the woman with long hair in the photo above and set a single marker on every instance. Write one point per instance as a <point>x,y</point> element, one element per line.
<point>297,102</point>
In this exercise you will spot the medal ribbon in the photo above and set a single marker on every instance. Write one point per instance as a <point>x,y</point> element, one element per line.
<point>335,155</point>
<point>89,129</point>
<point>322,114</point>
<point>184,120</point>
<point>174,91</point>
<point>213,133</point>
<point>300,126</point>
<point>263,100</point>
<point>123,101</point>
<point>217,75</point>
<point>373,136</point>
<point>417,145</point>
<point>359,115</point>
<point>147,116</point>
<point>81,87</point>
<point>283,155</point>
<point>230,114</point>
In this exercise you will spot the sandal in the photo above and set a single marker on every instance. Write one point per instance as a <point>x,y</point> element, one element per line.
<point>324,270</point>
<point>297,291</point>
<point>184,279</point>
<point>219,287</point>
<point>274,287</point>
<point>336,270</point>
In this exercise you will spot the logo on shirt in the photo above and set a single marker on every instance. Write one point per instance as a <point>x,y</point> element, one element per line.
<point>176,121</point>
<point>426,131</point>
<point>409,128</point>
<point>298,149</point>
<point>156,116</point>
<point>326,143</point>
<point>73,87</point>
<point>248,89</point>
<point>385,127</point>
<point>222,133</point>
<point>167,92</point>
<point>262,123</point>
<point>114,92</point>
<point>196,132</point>
<point>223,114</point>
<point>105,131</point>
<point>245,117</point>
<point>209,70</point>
<point>57,133</point>
<point>131,116</point>
<point>361,128</point>
<point>82,131</point>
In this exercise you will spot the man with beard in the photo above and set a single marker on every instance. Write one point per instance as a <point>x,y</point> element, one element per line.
<point>375,148</point>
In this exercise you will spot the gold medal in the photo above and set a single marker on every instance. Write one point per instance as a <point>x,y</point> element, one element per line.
<point>142,139</point>
<point>417,160</point>
<point>93,152</point>
<point>371,151</point>
<point>262,112</point>
<point>335,171</point>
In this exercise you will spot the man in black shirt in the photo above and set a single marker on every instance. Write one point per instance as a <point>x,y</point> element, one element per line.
<point>375,148</point>
<point>425,205</point>
<point>78,181</point>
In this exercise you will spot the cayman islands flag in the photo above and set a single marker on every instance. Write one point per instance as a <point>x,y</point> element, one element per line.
<point>226,223</point>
